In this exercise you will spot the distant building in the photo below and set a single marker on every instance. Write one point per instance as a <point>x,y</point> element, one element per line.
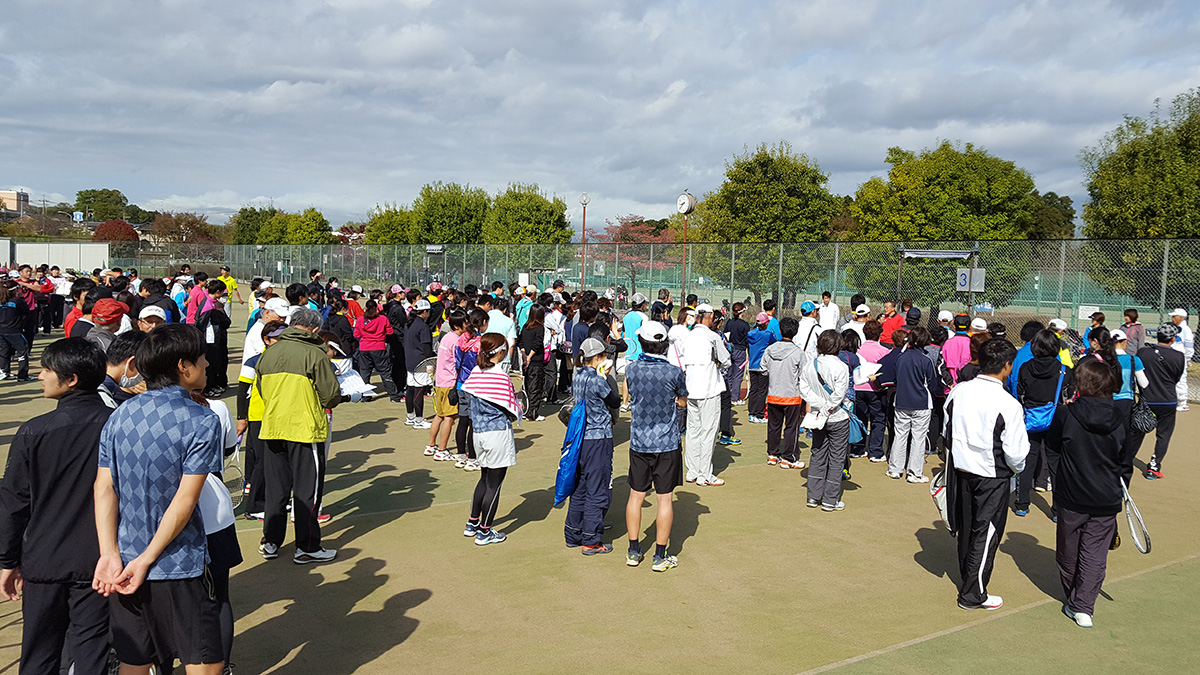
<point>13,202</point>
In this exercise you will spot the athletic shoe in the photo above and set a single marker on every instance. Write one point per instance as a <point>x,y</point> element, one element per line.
<point>431,450</point>
<point>570,545</point>
<point>740,401</point>
<point>625,408</point>
<point>26,379</point>
<point>878,460</point>
<point>1021,512</point>
<point>471,529</point>
<point>409,421</point>
<point>1151,474</point>
<point>492,536</point>
<point>812,503</point>
<point>324,517</point>
<point>840,506</point>
<point>320,555</point>
<point>597,549</point>
<point>539,418</point>
<point>634,558</point>
<point>460,460</point>
<point>728,440</point>
<point>857,455</point>
<point>443,456</point>
<point>664,563</point>
<point>784,464</point>
<point>808,434</point>
<point>471,465</point>
<point>421,423</point>
<point>846,474</point>
<point>268,550</point>
<point>714,481</point>
<point>992,602</point>
<point>254,516</point>
<point>772,460</point>
<point>1183,407</point>
<point>1082,620</point>
<point>893,475</point>
<point>918,479</point>
<point>1039,488</point>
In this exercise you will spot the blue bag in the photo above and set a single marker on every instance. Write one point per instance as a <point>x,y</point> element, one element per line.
<point>1039,418</point>
<point>858,430</point>
<point>568,463</point>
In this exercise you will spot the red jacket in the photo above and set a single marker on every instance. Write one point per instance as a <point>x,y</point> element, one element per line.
<point>372,333</point>
<point>891,324</point>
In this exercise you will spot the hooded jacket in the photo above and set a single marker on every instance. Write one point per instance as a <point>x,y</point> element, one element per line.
<point>297,383</point>
<point>1039,378</point>
<point>1085,451</point>
<point>782,361</point>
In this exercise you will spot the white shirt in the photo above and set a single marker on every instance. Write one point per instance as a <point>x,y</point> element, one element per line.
<point>704,356</point>
<point>973,411</point>
<point>837,377</point>
<point>677,332</point>
<point>806,336</point>
<point>828,315</point>
<point>857,327</point>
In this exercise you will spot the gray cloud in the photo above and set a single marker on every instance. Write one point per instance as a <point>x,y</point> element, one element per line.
<point>343,104</point>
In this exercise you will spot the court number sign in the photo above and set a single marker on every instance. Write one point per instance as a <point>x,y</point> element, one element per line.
<point>965,281</point>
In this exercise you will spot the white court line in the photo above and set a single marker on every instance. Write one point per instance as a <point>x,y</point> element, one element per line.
<point>991,616</point>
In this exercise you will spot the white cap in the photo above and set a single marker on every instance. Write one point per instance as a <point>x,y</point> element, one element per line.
<point>862,310</point>
<point>639,299</point>
<point>265,285</point>
<point>356,288</point>
<point>704,307</point>
<point>978,323</point>
<point>421,305</point>
<point>652,331</point>
<point>530,289</point>
<point>1058,324</point>
<point>152,310</point>
<point>1179,312</point>
<point>945,315</point>
<point>14,274</point>
<point>279,306</point>
<point>1119,335</point>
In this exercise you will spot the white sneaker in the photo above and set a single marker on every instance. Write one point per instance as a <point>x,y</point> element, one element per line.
<point>918,479</point>
<point>460,461</point>
<point>431,450</point>
<point>443,456</point>
<point>625,408</point>
<point>992,602</point>
<point>1182,407</point>
<point>712,480</point>
<point>421,423</point>
<point>840,506</point>
<point>1082,620</point>
<point>409,421</point>
<point>318,556</point>
<point>471,465</point>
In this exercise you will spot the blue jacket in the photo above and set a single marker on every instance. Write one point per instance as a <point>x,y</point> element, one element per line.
<point>916,381</point>
<point>1024,355</point>
<point>759,341</point>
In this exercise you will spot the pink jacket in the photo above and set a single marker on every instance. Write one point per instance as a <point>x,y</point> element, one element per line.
<point>871,351</point>
<point>372,333</point>
<point>956,353</point>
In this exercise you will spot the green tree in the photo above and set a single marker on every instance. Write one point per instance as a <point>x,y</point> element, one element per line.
<point>275,230</point>
<point>248,221</point>
<point>946,193</point>
<point>1143,181</point>
<point>183,228</point>
<point>101,204</point>
<point>390,224</point>
<point>523,214</point>
<point>136,214</point>
<point>449,213</point>
<point>1054,217</point>
<point>310,227</point>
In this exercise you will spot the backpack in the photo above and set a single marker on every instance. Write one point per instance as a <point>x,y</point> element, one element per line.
<point>1039,418</point>
<point>568,463</point>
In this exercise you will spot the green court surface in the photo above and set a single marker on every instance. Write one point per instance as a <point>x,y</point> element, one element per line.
<point>764,585</point>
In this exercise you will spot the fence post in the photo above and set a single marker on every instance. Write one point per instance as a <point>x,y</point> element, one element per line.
<point>1062,272</point>
<point>617,262</point>
<point>555,260</point>
<point>651,269</point>
<point>686,267</point>
<point>779,287</point>
<point>1162,290</point>
<point>732,258</point>
<point>837,250</point>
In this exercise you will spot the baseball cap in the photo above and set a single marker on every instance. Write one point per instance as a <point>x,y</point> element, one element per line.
<point>862,310</point>
<point>225,267</point>
<point>397,288</point>
<point>591,347</point>
<point>639,299</point>
<point>807,306</point>
<point>530,289</point>
<point>435,286</point>
<point>356,288</point>
<point>978,323</point>
<point>945,315</point>
<point>1179,312</point>
<point>913,316</point>
<point>265,285</point>
<point>1167,330</point>
<point>108,311</point>
<point>961,321</point>
<point>704,307</point>
<point>148,312</point>
<point>13,274</point>
<point>557,283</point>
<point>279,306</point>
<point>653,331</point>
<point>1058,324</point>
<point>763,317</point>
<point>1119,335</point>
<point>421,305</point>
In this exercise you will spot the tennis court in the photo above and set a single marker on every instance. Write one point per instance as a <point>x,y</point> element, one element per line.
<point>764,584</point>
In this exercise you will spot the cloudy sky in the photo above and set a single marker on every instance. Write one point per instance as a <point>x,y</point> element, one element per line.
<point>344,104</point>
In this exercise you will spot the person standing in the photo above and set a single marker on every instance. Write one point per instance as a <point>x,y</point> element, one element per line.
<point>824,382</point>
<point>418,346</point>
<point>862,314</point>
<point>1185,343</point>
<point>917,383</point>
<point>657,389</point>
<point>704,356</point>
<point>48,545</point>
<point>957,350</point>
<point>297,385</point>
<point>782,363</point>
<point>445,378</point>
<point>231,286</point>
<point>891,320</point>
<point>759,339</point>
<point>156,452</point>
<point>493,408</point>
<point>30,290</point>
<point>869,397</point>
<point>1087,445</point>
<point>828,313</point>
<point>1024,354</point>
<point>372,331</point>
<point>214,322</point>
<point>584,524</point>
<point>533,360</point>
<point>1133,378</point>
<point>316,292</point>
<point>986,444</point>
<point>13,311</point>
<point>808,329</point>
<point>1134,330</point>
<point>1164,365</point>
<point>58,299</point>
<point>632,321</point>
<point>739,346</point>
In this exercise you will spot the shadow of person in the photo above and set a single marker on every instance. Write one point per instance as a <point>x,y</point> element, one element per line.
<point>386,497</point>
<point>688,510</point>
<point>535,507</point>
<point>723,456</point>
<point>1035,561</point>
<point>939,552</point>
<point>525,441</point>
<point>363,429</point>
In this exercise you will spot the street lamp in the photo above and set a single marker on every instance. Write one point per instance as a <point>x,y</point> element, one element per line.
<point>583,201</point>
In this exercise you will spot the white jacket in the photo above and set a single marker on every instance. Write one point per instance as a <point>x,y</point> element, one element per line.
<point>704,357</point>
<point>836,375</point>
<point>974,410</point>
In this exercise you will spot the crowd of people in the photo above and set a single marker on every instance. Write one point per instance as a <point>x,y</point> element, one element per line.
<point>125,474</point>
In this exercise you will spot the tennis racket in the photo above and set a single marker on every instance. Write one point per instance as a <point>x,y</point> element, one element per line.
<point>423,375</point>
<point>1137,526</point>
<point>235,480</point>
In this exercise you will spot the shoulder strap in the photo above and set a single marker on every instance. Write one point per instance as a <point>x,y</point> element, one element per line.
<point>1062,372</point>
<point>812,329</point>
<point>820,379</point>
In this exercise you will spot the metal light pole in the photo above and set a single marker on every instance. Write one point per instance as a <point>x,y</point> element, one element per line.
<point>685,205</point>
<point>583,201</point>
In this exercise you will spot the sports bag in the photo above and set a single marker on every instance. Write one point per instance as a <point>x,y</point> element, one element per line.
<point>1039,418</point>
<point>568,463</point>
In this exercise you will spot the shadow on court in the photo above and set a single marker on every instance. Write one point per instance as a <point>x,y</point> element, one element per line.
<point>1034,561</point>
<point>939,552</point>
<point>386,497</point>
<point>535,506</point>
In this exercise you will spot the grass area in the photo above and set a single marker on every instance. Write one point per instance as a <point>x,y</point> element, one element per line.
<point>764,584</point>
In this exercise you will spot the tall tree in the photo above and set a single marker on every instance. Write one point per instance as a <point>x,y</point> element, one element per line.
<point>115,230</point>
<point>101,204</point>
<point>1143,180</point>
<point>449,213</point>
<point>248,221</point>
<point>310,227</point>
<point>390,224</point>
<point>634,260</point>
<point>274,230</point>
<point>523,214</point>
<point>1054,217</point>
<point>183,228</point>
